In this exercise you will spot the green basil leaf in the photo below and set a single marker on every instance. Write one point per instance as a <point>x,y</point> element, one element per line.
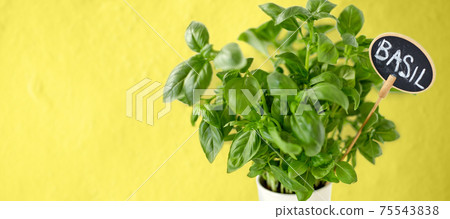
<point>282,84</point>
<point>253,144</point>
<point>268,31</point>
<point>327,52</point>
<point>348,74</point>
<point>386,130</point>
<point>247,65</point>
<point>251,37</point>
<point>329,92</point>
<point>238,102</point>
<point>319,6</point>
<point>225,118</point>
<point>376,137</point>
<point>371,122</point>
<point>308,180</point>
<point>256,169</point>
<point>331,125</point>
<point>353,157</point>
<point>253,115</point>
<point>388,135</point>
<point>345,172</point>
<point>321,159</point>
<point>292,184</point>
<point>196,36</point>
<point>229,75</point>
<point>349,39</point>
<point>289,38</point>
<point>211,140</point>
<point>328,77</point>
<point>297,167</point>
<point>207,51</point>
<point>333,147</point>
<point>276,110</point>
<point>195,73</point>
<point>364,110</point>
<point>321,171</point>
<point>210,115</point>
<point>294,64</point>
<point>280,81</point>
<point>261,77</point>
<point>284,140</point>
<point>309,130</point>
<point>322,164</point>
<point>331,177</point>
<point>385,125</point>
<point>230,57</point>
<point>350,20</point>
<point>362,59</point>
<point>320,15</point>
<point>370,150</point>
<point>263,36</point>
<point>245,145</point>
<point>363,41</point>
<point>292,12</point>
<point>264,132</point>
<point>221,74</point>
<point>351,92</point>
<point>194,118</point>
<point>273,10</point>
<point>324,28</point>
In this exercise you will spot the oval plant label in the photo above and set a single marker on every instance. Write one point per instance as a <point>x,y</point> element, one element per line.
<point>401,56</point>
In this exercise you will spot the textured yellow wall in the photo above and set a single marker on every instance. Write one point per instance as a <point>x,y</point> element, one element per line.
<point>66,65</point>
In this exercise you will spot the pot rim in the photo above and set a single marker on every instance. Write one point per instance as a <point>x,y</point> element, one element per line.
<point>260,186</point>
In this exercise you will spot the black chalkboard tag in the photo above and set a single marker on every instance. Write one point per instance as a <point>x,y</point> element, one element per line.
<point>403,64</point>
<point>401,56</point>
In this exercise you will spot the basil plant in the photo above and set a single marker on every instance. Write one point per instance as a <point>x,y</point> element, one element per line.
<point>295,121</point>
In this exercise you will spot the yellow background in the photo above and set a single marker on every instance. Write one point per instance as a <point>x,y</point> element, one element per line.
<point>66,65</point>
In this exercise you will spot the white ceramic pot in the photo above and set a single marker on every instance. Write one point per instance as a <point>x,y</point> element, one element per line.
<point>322,194</point>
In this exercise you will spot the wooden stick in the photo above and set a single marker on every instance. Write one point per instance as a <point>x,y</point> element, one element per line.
<point>387,85</point>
